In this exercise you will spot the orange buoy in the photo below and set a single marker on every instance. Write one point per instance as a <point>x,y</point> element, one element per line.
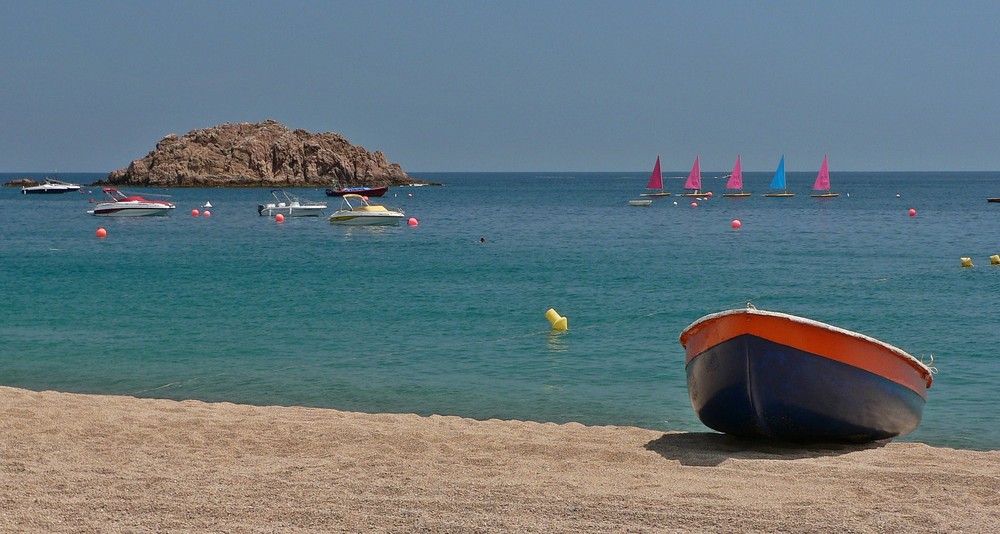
<point>279,217</point>
<point>413,221</point>
<point>737,224</point>
<point>101,232</point>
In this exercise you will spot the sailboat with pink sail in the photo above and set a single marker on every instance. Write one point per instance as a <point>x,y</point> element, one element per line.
<point>655,183</point>
<point>735,183</point>
<point>694,180</point>
<point>822,182</point>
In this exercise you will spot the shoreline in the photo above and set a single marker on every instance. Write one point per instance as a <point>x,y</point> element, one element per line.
<point>76,462</point>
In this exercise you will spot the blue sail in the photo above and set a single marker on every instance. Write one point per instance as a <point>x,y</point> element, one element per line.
<point>779,175</point>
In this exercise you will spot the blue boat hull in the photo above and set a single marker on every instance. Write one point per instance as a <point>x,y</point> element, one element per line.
<point>753,387</point>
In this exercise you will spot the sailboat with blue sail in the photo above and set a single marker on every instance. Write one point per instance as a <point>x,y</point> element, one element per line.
<point>655,184</point>
<point>778,182</point>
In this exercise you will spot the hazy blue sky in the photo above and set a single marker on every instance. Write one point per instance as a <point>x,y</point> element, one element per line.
<point>515,85</point>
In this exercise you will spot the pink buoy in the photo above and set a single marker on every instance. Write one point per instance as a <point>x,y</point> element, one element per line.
<point>694,204</point>
<point>101,232</point>
<point>364,197</point>
<point>737,224</point>
<point>913,212</point>
<point>412,222</point>
<point>194,213</point>
<point>708,194</point>
<point>279,217</point>
<point>206,214</point>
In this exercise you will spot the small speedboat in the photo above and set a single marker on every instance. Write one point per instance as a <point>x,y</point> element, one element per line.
<point>118,204</point>
<point>363,213</point>
<point>368,191</point>
<point>763,374</point>
<point>50,186</point>
<point>290,206</point>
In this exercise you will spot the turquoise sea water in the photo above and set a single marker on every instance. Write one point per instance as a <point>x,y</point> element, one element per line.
<point>428,319</point>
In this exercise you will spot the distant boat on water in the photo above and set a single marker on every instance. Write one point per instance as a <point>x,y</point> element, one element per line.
<point>693,182</point>
<point>822,182</point>
<point>778,182</point>
<point>655,183</point>
<point>50,186</point>
<point>735,182</point>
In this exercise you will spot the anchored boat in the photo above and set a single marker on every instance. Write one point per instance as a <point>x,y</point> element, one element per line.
<point>290,206</point>
<point>363,213</point>
<point>50,186</point>
<point>118,204</point>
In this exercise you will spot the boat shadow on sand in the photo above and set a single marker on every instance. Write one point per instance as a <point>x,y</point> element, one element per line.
<point>709,449</point>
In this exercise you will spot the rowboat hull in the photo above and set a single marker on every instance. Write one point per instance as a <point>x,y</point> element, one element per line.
<point>755,373</point>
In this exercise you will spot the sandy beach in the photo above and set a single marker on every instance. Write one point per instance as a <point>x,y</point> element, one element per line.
<point>91,463</point>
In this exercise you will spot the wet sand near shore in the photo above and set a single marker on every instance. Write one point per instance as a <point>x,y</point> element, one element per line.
<point>93,463</point>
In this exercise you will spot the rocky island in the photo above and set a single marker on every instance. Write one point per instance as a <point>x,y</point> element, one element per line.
<point>264,154</point>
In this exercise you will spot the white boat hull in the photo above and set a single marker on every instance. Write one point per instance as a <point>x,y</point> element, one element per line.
<point>355,218</point>
<point>119,209</point>
<point>50,187</point>
<point>48,190</point>
<point>292,211</point>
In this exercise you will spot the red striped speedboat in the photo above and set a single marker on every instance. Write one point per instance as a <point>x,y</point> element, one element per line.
<point>118,204</point>
<point>757,373</point>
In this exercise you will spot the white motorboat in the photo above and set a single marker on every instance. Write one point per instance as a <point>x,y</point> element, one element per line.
<point>118,204</point>
<point>50,186</point>
<point>361,212</point>
<point>290,206</point>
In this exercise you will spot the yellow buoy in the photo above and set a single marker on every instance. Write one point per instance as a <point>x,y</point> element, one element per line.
<point>558,321</point>
<point>995,259</point>
<point>967,262</point>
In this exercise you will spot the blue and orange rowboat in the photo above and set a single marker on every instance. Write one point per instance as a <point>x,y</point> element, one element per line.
<point>757,373</point>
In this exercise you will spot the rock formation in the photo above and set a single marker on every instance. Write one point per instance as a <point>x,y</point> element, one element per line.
<point>258,155</point>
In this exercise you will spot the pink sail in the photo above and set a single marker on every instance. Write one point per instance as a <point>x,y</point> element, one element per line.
<point>694,179</point>
<point>655,179</point>
<point>736,179</point>
<point>823,178</point>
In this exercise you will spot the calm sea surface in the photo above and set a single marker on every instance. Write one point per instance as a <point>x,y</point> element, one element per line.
<point>428,319</point>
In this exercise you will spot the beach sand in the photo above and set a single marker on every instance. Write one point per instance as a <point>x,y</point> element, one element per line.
<point>92,463</point>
